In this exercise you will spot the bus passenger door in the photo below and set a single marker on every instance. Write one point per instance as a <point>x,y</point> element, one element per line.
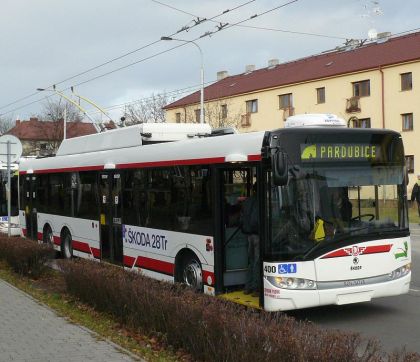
<point>236,184</point>
<point>31,217</point>
<point>110,217</point>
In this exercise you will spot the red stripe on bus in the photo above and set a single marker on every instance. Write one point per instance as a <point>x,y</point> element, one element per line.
<point>378,249</point>
<point>96,252</point>
<point>70,169</point>
<point>155,265</point>
<point>57,240</point>
<point>129,261</point>
<point>80,246</point>
<point>375,249</point>
<point>336,254</point>
<point>197,161</point>
<point>254,157</point>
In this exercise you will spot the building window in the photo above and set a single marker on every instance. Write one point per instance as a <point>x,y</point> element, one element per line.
<point>407,121</point>
<point>197,115</point>
<point>285,101</point>
<point>252,106</point>
<point>178,117</point>
<point>361,123</point>
<point>224,111</point>
<point>406,81</point>
<point>320,95</point>
<point>409,163</point>
<point>361,89</point>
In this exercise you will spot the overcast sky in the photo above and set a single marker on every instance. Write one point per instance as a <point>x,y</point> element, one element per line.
<point>45,42</point>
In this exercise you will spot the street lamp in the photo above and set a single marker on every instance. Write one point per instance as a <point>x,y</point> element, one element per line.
<point>201,72</point>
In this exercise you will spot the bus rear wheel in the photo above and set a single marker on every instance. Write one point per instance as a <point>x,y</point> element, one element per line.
<point>66,248</point>
<point>192,274</point>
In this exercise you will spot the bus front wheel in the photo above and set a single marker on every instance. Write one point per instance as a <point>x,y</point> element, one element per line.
<point>192,274</point>
<point>66,248</point>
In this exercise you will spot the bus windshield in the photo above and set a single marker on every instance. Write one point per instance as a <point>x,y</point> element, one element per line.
<point>324,205</point>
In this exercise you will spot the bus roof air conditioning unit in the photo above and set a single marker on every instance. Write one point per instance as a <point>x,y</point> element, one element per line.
<point>314,120</point>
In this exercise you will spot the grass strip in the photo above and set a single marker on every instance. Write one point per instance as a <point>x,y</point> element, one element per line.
<point>49,290</point>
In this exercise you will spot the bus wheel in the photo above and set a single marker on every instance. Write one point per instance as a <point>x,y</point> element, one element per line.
<point>192,274</point>
<point>66,248</point>
<point>48,237</point>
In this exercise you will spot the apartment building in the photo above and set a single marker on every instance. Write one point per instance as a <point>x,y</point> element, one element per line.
<point>375,85</point>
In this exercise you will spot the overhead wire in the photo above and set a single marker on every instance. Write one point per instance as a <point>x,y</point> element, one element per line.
<point>130,52</point>
<point>160,53</point>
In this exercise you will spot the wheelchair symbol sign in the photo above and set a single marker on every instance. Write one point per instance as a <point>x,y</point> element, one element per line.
<point>287,268</point>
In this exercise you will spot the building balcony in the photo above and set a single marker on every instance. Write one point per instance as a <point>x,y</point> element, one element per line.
<point>353,105</point>
<point>246,120</point>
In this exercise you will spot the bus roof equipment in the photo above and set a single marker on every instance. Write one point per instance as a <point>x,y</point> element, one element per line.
<point>133,136</point>
<point>315,120</point>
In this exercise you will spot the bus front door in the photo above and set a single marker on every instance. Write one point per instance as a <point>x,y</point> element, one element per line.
<point>31,217</point>
<point>110,217</point>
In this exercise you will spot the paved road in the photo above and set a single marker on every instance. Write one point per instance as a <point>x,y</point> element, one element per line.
<point>32,332</point>
<point>395,321</point>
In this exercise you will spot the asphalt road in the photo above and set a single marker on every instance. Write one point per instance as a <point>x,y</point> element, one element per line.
<point>394,321</point>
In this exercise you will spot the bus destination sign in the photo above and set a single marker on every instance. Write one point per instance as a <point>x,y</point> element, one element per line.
<point>339,152</point>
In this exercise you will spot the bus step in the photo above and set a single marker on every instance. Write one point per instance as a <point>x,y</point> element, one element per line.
<point>240,297</point>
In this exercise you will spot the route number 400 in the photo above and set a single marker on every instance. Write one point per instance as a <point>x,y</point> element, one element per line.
<point>270,269</point>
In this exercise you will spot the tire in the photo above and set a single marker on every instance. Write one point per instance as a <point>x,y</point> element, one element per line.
<point>48,237</point>
<point>192,274</point>
<point>66,248</point>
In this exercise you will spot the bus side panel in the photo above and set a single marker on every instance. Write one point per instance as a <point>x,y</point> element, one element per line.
<point>153,252</point>
<point>84,233</point>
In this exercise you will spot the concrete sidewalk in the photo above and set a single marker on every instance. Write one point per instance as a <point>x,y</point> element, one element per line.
<point>29,331</point>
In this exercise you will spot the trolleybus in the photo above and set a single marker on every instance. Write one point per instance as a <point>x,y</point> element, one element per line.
<point>14,210</point>
<point>166,199</point>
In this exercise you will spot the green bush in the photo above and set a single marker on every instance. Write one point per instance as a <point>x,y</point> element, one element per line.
<point>25,256</point>
<point>209,328</point>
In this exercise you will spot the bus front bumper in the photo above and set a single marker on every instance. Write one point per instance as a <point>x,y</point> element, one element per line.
<point>279,299</point>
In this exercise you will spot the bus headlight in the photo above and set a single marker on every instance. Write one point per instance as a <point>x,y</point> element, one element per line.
<point>400,272</point>
<point>292,283</point>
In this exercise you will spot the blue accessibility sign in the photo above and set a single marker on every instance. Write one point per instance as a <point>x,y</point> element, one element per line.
<point>287,268</point>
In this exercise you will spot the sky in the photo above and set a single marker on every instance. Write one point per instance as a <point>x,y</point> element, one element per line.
<point>84,44</point>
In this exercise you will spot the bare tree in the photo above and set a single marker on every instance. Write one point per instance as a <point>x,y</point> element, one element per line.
<point>149,110</point>
<point>52,114</point>
<point>6,123</point>
<point>218,114</point>
<point>53,111</point>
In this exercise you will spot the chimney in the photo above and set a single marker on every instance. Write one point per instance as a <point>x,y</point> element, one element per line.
<point>272,63</point>
<point>222,75</point>
<point>249,68</point>
<point>17,122</point>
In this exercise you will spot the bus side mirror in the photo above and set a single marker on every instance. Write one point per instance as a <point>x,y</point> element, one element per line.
<point>279,168</point>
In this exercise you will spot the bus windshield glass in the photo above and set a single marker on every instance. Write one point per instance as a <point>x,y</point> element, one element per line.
<point>330,203</point>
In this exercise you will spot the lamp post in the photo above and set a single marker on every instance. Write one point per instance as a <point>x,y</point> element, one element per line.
<point>201,73</point>
<point>61,94</point>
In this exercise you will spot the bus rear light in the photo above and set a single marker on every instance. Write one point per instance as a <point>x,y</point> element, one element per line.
<point>292,283</point>
<point>400,272</point>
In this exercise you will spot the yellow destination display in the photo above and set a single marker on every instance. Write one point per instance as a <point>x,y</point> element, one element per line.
<point>326,152</point>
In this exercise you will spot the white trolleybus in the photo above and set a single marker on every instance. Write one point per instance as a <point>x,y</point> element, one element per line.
<point>14,210</point>
<point>166,199</point>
